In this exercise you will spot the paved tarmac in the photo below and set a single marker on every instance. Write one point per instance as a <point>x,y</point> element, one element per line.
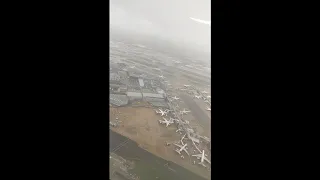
<point>197,112</point>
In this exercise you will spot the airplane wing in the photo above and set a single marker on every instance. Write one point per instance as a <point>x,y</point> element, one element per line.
<point>178,145</point>
<point>186,151</point>
<point>197,155</point>
<point>207,160</point>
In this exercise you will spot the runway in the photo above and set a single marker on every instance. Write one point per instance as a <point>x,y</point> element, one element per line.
<point>148,165</point>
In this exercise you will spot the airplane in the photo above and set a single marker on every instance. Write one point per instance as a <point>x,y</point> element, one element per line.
<point>208,109</point>
<point>186,85</point>
<point>183,89</point>
<point>165,122</point>
<point>204,92</point>
<point>175,98</point>
<point>113,124</point>
<point>182,148</point>
<point>184,111</point>
<point>179,130</point>
<point>161,76</point>
<point>162,112</point>
<point>208,96</point>
<point>183,137</point>
<point>198,97</point>
<point>203,158</point>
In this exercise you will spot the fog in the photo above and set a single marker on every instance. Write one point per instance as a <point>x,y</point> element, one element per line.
<point>169,20</point>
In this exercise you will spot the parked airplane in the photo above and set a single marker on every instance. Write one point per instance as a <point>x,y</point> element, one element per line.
<point>161,76</point>
<point>113,124</point>
<point>179,130</point>
<point>186,85</point>
<point>208,109</point>
<point>182,139</point>
<point>204,92</point>
<point>162,112</point>
<point>175,98</point>
<point>184,111</point>
<point>198,97</point>
<point>209,97</point>
<point>203,158</point>
<point>182,148</point>
<point>166,122</point>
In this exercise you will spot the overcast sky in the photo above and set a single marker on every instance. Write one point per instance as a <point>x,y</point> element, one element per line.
<point>169,19</point>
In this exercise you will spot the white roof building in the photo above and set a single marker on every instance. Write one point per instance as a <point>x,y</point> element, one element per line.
<point>134,95</point>
<point>141,83</point>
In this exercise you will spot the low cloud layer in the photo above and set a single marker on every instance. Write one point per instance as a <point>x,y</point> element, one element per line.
<point>168,19</point>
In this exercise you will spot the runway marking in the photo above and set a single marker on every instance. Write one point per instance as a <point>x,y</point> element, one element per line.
<point>120,145</point>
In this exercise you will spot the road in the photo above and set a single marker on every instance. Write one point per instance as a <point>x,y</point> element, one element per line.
<point>149,166</point>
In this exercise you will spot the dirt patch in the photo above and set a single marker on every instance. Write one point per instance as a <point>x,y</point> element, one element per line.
<point>131,130</point>
<point>166,134</point>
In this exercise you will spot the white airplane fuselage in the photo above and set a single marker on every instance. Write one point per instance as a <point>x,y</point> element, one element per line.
<point>203,158</point>
<point>182,148</point>
<point>184,111</point>
<point>175,98</point>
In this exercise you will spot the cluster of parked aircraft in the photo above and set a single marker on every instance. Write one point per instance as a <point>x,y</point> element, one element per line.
<point>165,112</point>
<point>171,120</point>
<point>182,147</point>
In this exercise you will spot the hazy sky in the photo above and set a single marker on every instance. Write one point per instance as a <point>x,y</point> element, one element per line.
<point>170,19</point>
